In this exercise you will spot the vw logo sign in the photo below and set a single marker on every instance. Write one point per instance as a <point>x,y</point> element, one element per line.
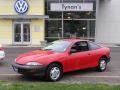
<point>21,6</point>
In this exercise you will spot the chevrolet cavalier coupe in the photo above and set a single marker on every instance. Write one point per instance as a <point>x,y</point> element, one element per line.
<point>63,56</point>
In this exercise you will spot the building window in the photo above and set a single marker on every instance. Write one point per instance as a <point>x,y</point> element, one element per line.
<point>79,15</point>
<point>66,24</point>
<point>53,30</point>
<point>79,28</point>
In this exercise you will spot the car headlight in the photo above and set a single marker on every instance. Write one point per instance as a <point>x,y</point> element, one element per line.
<point>33,63</point>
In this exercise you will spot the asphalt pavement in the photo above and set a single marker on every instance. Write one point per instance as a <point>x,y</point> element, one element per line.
<point>110,76</point>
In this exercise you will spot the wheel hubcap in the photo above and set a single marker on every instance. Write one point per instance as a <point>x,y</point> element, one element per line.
<point>55,73</point>
<point>103,64</point>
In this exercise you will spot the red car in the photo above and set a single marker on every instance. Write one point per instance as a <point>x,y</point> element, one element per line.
<point>62,56</point>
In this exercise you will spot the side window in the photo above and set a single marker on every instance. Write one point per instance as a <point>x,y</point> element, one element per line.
<point>80,47</point>
<point>83,46</point>
<point>93,46</point>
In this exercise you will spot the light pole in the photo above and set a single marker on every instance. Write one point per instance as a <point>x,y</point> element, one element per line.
<point>62,23</point>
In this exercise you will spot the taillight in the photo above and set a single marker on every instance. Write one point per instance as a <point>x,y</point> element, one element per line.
<point>1,48</point>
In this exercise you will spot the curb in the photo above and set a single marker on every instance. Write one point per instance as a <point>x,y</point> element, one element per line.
<point>108,45</point>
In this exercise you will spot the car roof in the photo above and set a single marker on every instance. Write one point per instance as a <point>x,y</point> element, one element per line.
<point>74,40</point>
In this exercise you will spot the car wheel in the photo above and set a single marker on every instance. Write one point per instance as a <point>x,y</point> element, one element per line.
<point>102,65</point>
<point>54,72</point>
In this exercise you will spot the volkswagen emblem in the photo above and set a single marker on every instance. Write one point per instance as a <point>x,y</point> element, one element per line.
<point>21,6</point>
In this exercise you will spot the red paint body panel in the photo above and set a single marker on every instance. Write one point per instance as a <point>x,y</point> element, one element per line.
<point>70,62</point>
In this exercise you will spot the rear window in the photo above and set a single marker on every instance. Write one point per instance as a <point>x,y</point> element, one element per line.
<point>93,46</point>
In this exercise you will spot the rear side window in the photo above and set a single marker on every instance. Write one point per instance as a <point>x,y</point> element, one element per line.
<point>84,46</point>
<point>93,46</point>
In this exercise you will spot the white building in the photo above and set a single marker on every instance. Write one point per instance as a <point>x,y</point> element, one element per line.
<point>108,22</point>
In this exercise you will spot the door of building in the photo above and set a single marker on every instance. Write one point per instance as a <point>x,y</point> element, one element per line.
<point>21,33</point>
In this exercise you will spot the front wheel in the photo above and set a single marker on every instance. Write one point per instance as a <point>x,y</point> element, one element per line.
<point>54,72</point>
<point>102,65</point>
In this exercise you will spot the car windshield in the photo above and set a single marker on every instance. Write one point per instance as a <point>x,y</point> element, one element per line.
<point>57,46</point>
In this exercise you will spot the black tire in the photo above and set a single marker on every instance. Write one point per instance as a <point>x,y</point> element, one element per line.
<point>102,65</point>
<point>51,68</point>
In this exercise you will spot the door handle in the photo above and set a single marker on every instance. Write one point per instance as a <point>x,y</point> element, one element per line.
<point>89,54</point>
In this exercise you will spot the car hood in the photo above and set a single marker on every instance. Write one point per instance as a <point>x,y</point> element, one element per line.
<point>35,56</point>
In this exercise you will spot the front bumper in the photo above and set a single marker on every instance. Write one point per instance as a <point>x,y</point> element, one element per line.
<point>29,70</point>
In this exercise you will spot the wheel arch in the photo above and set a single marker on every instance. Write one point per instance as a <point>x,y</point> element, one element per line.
<point>56,62</point>
<point>104,56</point>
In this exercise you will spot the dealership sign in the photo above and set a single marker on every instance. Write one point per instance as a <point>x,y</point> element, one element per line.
<point>21,6</point>
<point>71,6</point>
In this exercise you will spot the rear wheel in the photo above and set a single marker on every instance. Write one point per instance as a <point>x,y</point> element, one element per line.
<point>54,72</point>
<point>102,65</point>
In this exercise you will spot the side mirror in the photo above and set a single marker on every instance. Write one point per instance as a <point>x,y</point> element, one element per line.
<point>73,51</point>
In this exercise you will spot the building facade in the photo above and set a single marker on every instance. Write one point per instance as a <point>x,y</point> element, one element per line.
<point>71,22</point>
<point>26,22</point>
<point>22,21</point>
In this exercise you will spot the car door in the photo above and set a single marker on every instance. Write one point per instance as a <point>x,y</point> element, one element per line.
<point>79,56</point>
<point>72,58</point>
<point>84,55</point>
